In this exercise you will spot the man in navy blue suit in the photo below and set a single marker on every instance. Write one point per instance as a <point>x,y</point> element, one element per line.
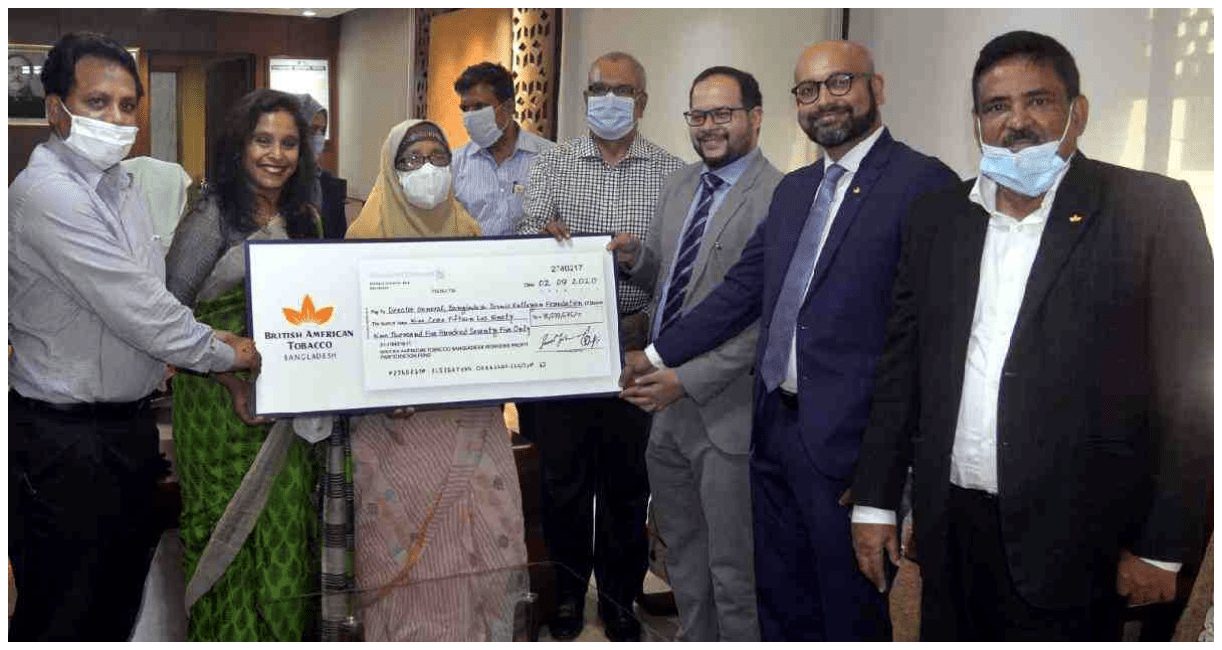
<point>817,273</point>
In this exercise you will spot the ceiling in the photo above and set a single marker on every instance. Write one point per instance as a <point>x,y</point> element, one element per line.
<point>319,12</point>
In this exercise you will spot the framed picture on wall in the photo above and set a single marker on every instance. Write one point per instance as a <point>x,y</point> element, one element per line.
<point>26,96</point>
<point>25,92</point>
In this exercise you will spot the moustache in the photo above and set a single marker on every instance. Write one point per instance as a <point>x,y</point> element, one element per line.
<point>818,115</point>
<point>1020,136</point>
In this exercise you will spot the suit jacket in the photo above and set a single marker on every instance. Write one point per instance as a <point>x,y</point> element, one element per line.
<point>1105,410</point>
<point>718,381</point>
<point>841,322</point>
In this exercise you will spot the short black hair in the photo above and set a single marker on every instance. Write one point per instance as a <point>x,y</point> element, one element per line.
<point>493,74</point>
<point>1038,48</point>
<point>748,87</point>
<point>232,187</point>
<point>58,74</point>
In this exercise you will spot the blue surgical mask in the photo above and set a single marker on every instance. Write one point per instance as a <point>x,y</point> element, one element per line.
<point>1030,171</point>
<point>610,116</point>
<point>318,142</point>
<point>482,127</point>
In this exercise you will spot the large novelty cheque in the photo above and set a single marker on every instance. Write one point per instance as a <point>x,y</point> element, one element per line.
<point>363,325</point>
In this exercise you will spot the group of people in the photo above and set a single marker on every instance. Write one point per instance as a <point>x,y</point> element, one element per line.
<point>799,348</point>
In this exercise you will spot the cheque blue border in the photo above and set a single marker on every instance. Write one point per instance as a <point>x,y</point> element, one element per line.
<point>418,407</point>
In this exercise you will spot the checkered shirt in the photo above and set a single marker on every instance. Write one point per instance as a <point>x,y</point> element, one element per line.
<point>571,182</point>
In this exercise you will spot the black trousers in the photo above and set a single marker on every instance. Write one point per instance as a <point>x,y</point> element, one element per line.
<point>976,600</point>
<point>593,450</point>
<point>81,525</point>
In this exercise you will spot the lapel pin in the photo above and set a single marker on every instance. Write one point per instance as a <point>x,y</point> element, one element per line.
<point>857,189</point>
<point>1076,217</point>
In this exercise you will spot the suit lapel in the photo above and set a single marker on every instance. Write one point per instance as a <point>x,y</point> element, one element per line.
<point>720,219</point>
<point>963,250</point>
<point>674,233</point>
<point>863,181</point>
<point>1074,209</point>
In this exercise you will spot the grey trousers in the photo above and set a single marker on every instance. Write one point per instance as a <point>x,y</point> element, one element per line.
<point>702,501</point>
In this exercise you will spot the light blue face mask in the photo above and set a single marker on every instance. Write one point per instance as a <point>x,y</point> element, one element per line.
<point>610,116</point>
<point>1030,171</point>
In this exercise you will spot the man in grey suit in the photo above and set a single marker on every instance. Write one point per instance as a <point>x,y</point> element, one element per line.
<point>698,446</point>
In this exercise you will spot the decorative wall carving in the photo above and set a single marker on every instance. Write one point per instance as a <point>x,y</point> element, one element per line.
<point>536,62</point>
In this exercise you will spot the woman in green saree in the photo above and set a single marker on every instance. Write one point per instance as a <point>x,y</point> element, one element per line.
<point>249,561</point>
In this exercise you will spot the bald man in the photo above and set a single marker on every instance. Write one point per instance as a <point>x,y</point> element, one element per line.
<point>817,274</point>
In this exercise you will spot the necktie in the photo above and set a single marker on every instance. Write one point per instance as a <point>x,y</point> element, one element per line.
<point>689,247</point>
<point>793,291</point>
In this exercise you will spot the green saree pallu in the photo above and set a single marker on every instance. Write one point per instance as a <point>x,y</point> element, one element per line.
<point>265,590</point>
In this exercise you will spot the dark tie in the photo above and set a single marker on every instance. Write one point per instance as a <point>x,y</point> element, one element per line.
<point>689,247</point>
<point>793,291</point>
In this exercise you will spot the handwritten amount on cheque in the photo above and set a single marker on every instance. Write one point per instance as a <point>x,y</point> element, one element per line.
<point>557,325</point>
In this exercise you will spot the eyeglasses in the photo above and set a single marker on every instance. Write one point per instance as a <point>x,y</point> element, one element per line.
<point>720,115</point>
<point>413,161</point>
<point>838,85</point>
<point>618,91</point>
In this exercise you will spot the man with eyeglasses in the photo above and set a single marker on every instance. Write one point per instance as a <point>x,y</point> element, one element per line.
<point>698,444</point>
<point>817,275</point>
<point>594,448</point>
<point>1048,376</point>
<point>491,171</point>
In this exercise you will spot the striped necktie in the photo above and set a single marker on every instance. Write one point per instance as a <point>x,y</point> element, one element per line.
<point>797,280</point>
<point>689,247</point>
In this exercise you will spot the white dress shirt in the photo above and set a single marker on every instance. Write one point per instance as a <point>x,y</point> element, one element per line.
<point>1010,247</point>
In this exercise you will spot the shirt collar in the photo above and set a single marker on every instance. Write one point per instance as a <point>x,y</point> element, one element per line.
<point>733,171</point>
<point>526,141</point>
<point>984,194</point>
<point>851,160</point>
<point>85,169</point>
<point>638,149</point>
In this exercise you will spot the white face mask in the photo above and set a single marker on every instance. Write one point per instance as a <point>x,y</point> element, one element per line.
<point>318,142</point>
<point>101,143</point>
<point>482,127</point>
<point>426,187</point>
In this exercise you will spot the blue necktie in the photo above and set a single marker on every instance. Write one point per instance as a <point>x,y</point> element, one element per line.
<point>793,291</point>
<point>689,247</point>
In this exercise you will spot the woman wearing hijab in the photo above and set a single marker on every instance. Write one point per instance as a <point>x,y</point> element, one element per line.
<point>248,520</point>
<point>329,193</point>
<point>440,544</point>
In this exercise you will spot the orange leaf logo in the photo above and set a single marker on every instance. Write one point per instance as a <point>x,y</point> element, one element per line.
<point>307,313</point>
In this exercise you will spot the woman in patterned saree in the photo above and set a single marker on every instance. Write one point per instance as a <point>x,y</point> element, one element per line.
<point>440,545</point>
<point>248,522</point>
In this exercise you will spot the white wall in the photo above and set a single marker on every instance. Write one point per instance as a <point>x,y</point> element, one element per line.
<point>674,45</point>
<point>927,55</point>
<point>375,70</point>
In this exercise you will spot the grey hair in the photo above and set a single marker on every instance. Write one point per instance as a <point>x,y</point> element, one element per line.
<point>637,68</point>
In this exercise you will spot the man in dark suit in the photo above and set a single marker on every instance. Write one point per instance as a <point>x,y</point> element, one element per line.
<point>817,275</point>
<point>697,453</point>
<point>1047,375</point>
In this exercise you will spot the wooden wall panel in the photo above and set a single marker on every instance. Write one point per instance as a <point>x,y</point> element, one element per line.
<point>460,39</point>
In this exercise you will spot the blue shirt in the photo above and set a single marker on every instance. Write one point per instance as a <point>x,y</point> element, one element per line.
<point>90,319</point>
<point>493,193</point>
<point>729,175</point>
